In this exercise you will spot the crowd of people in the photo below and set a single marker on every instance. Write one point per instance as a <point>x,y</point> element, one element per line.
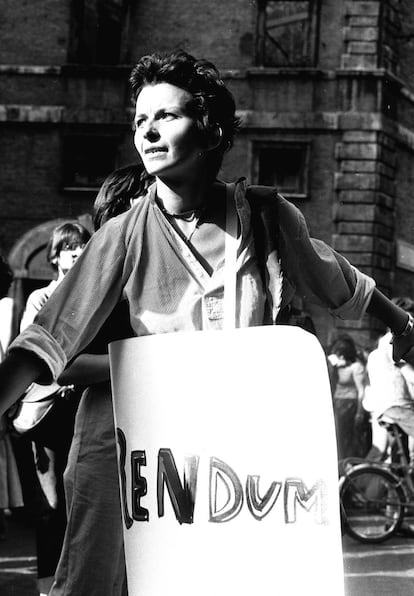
<point>368,388</point>
<point>155,265</point>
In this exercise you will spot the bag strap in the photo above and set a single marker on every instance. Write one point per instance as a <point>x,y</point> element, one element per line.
<point>230,260</point>
<point>264,211</point>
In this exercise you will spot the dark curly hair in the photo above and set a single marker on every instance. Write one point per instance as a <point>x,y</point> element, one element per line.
<point>6,277</point>
<point>212,104</point>
<point>114,196</point>
<point>345,347</point>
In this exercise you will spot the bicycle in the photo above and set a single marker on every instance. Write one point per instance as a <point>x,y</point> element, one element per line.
<point>376,496</point>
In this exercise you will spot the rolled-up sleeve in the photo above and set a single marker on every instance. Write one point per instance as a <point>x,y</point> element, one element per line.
<point>356,306</point>
<point>317,272</point>
<point>38,340</point>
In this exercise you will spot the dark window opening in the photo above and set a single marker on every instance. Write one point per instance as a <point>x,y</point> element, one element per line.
<point>284,166</point>
<point>286,33</point>
<point>98,32</point>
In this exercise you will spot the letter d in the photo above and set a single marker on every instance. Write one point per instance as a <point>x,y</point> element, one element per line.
<point>232,487</point>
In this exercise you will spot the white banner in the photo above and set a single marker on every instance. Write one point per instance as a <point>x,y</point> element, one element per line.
<point>228,464</point>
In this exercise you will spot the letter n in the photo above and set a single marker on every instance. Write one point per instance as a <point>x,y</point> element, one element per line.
<point>182,495</point>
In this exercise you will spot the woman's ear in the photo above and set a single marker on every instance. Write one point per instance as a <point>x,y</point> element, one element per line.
<point>214,138</point>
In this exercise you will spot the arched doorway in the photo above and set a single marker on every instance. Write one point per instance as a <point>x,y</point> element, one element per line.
<point>28,261</point>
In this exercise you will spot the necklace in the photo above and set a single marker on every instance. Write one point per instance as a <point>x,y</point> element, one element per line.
<point>191,216</point>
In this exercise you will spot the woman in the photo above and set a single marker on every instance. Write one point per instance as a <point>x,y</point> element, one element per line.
<point>348,395</point>
<point>165,256</point>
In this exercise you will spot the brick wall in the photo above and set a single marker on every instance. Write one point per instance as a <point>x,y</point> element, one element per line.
<point>34,32</point>
<point>361,34</point>
<point>364,209</point>
<point>220,31</point>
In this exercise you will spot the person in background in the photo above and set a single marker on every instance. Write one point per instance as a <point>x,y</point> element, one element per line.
<point>6,305</point>
<point>51,441</point>
<point>66,244</point>
<point>10,488</point>
<point>390,394</point>
<point>91,477</point>
<point>349,372</point>
<point>163,259</point>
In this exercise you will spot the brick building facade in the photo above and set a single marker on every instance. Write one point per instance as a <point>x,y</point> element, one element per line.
<point>325,90</point>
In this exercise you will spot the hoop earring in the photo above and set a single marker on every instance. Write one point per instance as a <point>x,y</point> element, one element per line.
<point>216,137</point>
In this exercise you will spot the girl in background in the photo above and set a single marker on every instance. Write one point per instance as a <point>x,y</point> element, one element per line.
<point>52,439</point>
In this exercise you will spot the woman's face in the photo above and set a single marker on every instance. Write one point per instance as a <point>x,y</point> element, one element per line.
<point>68,256</point>
<point>166,137</point>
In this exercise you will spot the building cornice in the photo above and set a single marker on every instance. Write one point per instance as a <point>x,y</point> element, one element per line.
<point>96,70</point>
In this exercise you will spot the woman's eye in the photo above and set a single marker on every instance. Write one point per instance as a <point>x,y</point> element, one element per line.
<point>168,116</point>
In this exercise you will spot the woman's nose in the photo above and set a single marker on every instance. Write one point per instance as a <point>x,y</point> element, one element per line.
<point>150,131</point>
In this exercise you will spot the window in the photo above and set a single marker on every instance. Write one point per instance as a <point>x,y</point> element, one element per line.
<point>87,160</point>
<point>98,32</point>
<point>283,165</point>
<point>286,33</point>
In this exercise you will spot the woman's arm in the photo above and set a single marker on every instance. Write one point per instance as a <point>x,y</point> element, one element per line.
<point>86,369</point>
<point>18,370</point>
<point>386,311</point>
<point>321,275</point>
<point>399,321</point>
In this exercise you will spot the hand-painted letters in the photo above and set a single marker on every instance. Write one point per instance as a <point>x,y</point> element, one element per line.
<point>226,493</point>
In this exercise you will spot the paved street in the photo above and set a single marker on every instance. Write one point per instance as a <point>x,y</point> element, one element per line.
<point>378,570</point>
<point>385,569</point>
<point>18,560</point>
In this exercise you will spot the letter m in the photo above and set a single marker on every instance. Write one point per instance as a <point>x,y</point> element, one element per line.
<point>296,492</point>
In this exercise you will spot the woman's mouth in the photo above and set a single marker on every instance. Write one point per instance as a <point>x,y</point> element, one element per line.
<point>155,150</point>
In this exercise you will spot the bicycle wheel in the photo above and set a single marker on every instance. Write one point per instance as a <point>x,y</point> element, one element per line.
<point>372,504</point>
